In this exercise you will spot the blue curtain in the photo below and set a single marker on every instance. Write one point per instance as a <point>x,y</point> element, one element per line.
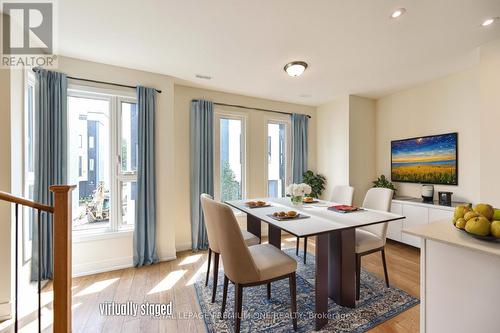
<point>202,166</point>
<point>145,204</point>
<point>299,146</point>
<point>51,156</point>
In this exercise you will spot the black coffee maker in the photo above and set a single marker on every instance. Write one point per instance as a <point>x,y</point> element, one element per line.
<point>445,198</point>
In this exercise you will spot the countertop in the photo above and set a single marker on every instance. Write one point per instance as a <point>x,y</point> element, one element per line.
<point>419,202</point>
<point>445,232</point>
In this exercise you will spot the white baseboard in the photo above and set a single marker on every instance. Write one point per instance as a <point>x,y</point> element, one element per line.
<point>183,247</point>
<point>168,258</point>
<point>109,265</point>
<point>5,311</point>
<point>102,266</point>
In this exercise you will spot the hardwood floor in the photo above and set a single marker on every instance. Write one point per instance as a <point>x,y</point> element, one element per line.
<point>173,282</point>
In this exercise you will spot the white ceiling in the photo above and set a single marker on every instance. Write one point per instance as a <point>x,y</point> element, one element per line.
<point>352,46</point>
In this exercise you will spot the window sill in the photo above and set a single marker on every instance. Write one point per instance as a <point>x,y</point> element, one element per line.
<point>82,236</point>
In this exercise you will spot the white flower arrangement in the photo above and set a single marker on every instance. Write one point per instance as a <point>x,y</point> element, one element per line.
<point>298,190</point>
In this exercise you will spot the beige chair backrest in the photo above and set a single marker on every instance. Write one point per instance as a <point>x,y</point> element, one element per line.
<point>239,266</point>
<point>378,199</point>
<point>342,194</point>
<point>210,224</point>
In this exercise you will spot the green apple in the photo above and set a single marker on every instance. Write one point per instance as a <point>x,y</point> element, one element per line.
<point>496,215</point>
<point>495,229</point>
<point>478,226</point>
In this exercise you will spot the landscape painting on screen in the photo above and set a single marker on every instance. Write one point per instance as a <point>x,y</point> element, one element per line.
<point>430,160</point>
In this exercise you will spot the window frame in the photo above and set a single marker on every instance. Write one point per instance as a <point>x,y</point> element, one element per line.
<point>115,98</point>
<point>27,176</point>
<point>232,115</point>
<point>276,119</point>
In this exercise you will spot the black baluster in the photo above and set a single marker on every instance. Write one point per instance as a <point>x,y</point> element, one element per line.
<point>16,268</point>
<point>39,271</point>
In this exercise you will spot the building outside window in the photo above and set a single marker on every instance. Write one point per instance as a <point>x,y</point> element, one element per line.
<point>276,165</point>
<point>105,158</point>
<point>230,157</point>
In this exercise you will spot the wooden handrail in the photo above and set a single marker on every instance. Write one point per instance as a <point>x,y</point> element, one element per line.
<point>25,202</point>
<point>62,257</point>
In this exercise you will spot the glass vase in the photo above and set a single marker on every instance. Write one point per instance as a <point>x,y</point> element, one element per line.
<point>296,199</point>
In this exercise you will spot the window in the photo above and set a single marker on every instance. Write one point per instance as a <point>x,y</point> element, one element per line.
<point>29,161</point>
<point>129,137</point>
<point>277,163</point>
<point>128,161</point>
<point>80,166</point>
<point>230,157</point>
<point>103,149</point>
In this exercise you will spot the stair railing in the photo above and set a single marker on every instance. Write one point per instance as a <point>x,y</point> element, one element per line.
<point>62,227</point>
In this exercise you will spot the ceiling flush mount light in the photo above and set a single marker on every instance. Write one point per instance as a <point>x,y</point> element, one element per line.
<point>398,13</point>
<point>295,68</point>
<point>489,21</point>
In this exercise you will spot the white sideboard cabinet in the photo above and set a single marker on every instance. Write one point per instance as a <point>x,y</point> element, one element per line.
<point>416,213</point>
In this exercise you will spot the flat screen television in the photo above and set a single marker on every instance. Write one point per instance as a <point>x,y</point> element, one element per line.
<point>426,160</point>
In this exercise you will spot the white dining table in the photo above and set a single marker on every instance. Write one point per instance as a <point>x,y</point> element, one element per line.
<point>335,243</point>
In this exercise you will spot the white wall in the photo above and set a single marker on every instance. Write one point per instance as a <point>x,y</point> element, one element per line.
<point>450,104</point>
<point>256,139</point>
<point>361,146</point>
<point>346,144</point>
<point>332,139</point>
<point>5,185</point>
<point>116,252</point>
<point>490,123</point>
<point>11,181</point>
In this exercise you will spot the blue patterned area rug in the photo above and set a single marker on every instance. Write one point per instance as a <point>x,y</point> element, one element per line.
<point>377,304</point>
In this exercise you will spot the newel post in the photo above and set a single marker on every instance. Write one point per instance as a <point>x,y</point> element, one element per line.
<point>62,257</point>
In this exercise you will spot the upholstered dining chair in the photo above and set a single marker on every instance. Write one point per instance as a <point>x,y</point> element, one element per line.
<point>213,244</point>
<point>371,239</point>
<point>247,266</point>
<point>341,194</point>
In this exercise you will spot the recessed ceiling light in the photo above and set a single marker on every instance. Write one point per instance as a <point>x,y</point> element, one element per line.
<point>489,21</point>
<point>295,68</point>
<point>204,77</point>
<point>398,13</point>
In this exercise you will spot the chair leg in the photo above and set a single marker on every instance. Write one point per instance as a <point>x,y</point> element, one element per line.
<point>269,290</point>
<point>385,268</point>
<point>238,299</point>
<point>208,269</point>
<point>305,249</point>
<point>358,275</point>
<point>216,274</point>
<point>297,247</point>
<point>293,294</point>
<point>224,297</point>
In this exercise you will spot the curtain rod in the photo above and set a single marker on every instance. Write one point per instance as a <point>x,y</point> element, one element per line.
<point>251,108</point>
<point>102,82</point>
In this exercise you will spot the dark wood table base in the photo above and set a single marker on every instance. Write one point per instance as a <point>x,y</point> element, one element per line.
<point>342,267</point>
<point>335,267</point>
